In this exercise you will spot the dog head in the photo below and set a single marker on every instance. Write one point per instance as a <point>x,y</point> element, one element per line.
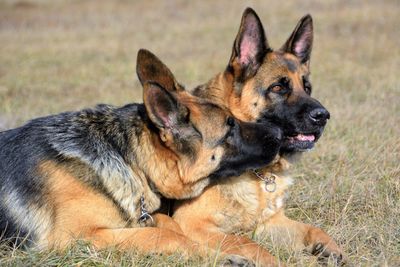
<point>207,140</point>
<point>264,85</point>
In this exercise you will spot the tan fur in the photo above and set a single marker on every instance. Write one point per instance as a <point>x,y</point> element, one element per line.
<point>174,177</point>
<point>241,204</point>
<point>79,212</point>
<point>178,177</point>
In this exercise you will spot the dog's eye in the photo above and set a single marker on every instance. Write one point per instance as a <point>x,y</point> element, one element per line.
<point>281,87</point>
<point>307,86</point>
<point>230,122</point>
<point>277,88</point>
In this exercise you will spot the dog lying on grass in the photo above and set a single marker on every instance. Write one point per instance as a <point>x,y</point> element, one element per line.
<point>97,174</point>
<point>261,85</point>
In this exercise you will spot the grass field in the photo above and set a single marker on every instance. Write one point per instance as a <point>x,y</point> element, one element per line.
<point>67,55</point>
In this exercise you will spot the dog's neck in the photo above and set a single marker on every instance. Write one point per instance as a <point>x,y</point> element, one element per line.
<point>225,93</point>
<point>164,170</point>
<point>280,165</point>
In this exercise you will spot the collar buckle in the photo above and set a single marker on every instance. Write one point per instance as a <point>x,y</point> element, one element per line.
<point>270,184</point>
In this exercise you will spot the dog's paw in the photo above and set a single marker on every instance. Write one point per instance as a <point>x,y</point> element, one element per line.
<point>328,253</point>
<point>236,261</point>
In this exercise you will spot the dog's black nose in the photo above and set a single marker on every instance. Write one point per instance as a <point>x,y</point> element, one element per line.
<point>319,116</point>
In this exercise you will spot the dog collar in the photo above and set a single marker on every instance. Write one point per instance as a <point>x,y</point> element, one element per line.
<point>144,214</point>
<point>269,181</point>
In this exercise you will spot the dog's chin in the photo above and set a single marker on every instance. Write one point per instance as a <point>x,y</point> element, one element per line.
<point>299,143</point>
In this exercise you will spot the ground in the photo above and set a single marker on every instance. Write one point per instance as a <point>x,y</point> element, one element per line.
<point>67,55</point>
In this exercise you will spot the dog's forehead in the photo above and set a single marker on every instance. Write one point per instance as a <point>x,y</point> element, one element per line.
<point>209,119</point>
<point>277,65</point>
<point>202,109</point>
<point>285,60</point>
<point>213,115</point>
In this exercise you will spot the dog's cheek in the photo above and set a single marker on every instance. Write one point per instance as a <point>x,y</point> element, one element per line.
<point>216,157</point>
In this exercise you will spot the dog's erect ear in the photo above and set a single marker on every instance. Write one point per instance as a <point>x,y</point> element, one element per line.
<point>301,40</point>
<point>162,107</point>
<point>150,69</point>
<point>249,48</point>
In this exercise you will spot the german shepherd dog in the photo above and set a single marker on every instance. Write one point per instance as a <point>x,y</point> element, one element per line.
<point>261,85</point>
<point>97,174</point>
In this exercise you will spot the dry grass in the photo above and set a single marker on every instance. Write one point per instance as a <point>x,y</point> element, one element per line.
<point>66,55</point>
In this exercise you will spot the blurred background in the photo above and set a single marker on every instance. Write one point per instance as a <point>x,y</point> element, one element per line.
<point>67,55</point>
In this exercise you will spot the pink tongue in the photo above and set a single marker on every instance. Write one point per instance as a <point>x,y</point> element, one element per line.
<point>303,137</point>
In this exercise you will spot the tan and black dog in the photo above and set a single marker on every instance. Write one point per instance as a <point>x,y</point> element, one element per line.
<point>98,173</point>
<point>266,86</point>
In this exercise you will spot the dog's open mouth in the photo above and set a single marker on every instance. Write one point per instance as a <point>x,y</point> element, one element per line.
<point>302,138</point>
<point>300,142</point>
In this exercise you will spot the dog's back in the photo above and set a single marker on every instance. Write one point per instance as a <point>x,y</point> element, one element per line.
<point>20,150</point>
<point>27,208</point>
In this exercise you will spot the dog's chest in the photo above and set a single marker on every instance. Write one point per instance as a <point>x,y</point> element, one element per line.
<point>249,201</point>
<point>272,202</point>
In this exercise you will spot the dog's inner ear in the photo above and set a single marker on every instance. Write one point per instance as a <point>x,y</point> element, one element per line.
<point>301,40</point>
<point>163,109</point>
<point>150,69</point>
<point>250,46</point>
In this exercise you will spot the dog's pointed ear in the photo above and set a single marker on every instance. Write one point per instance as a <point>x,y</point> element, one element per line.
<point>150,69</point>
<point>301,40</point>
<point>249,48</point>
<point>162,107</point>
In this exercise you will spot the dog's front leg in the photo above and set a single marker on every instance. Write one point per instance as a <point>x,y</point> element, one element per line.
<point>302,236</point>
<point>164,221</point>
<point>230,256</point>
<point>146,240</point>
<point>231,244</point>
<point>243,246</point>
<point>159,240</point>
